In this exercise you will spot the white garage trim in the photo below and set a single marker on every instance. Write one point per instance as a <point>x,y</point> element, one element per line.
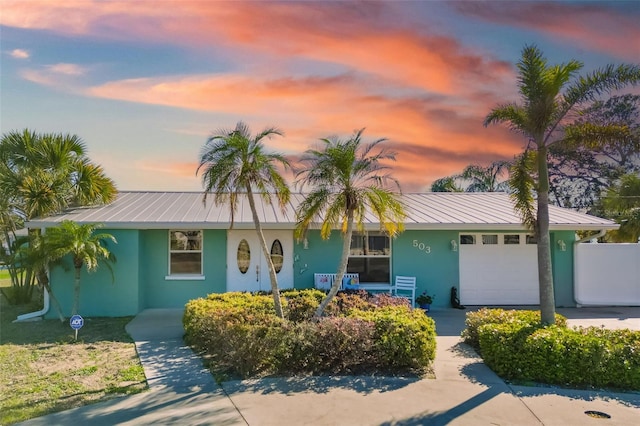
<point>498,269</point>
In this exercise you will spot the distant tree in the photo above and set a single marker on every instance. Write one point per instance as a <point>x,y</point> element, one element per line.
<point>475,178</point>
<point>486,179</point>
<point>446,184</point>
<point>86,248</point>
<point>347,180</point>
<point>595,151</point>
<point>235,162</point>
<point>622,204</point>
<point>548,93</point>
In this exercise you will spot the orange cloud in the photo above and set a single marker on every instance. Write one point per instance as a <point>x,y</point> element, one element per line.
<point>442,90</point>
<point>361,38</point>
<point>311,108</point>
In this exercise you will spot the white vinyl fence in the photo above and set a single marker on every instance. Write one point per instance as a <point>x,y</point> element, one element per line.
<point>607,274</point>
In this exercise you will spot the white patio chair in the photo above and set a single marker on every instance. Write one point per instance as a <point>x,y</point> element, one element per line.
<point>405,287</point>
<point>352,278</point>
<point>323,281</point>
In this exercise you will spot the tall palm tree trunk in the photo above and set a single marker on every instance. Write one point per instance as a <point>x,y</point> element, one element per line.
<point>76,291</point>
<point>342,267</point>
<point>273,278</point>
<point>545,273</point>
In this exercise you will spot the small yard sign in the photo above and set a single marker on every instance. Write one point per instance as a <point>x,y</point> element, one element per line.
<point>76,322</point>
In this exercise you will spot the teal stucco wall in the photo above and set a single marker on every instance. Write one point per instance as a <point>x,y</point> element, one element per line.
<point>321,256</point>
<point>427,255</point>
<point>436,271</point>
<point>142,267</point>
<point>100,295</point>
<point>160,292</point>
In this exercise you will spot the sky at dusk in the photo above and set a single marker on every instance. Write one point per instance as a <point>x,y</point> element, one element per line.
<point>144,83</point>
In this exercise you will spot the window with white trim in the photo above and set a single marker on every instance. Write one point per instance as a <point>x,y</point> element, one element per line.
<point>370,257</point>
<point>467,239</point>
<point>489,239</point>
<point>185,252</point>
<point>510,239</point>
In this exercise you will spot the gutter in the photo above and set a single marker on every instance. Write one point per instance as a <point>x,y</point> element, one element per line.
<point>35,316</point>
<point>591,237</point>
<point>575,263</point>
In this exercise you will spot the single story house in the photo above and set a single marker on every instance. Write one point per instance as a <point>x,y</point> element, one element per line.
<point>172,247</point>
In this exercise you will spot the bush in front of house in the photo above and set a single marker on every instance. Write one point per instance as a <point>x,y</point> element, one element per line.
<point>404,338</point>
<point>474,320</point>
<point>241,336</point>
<point>522,349</point>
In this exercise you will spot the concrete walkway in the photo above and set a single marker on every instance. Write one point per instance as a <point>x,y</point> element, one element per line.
<point>464,392</point>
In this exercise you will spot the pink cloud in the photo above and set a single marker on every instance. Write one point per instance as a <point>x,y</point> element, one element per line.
<point>311,108</point>
<point>360,37</point>
<point>436,123</point>
<point>593,26</point>
<point>19,54</point>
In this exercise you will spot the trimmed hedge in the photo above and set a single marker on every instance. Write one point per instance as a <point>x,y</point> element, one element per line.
<point>520,348</point>
<point>241,336</point>
<point>474,320</point>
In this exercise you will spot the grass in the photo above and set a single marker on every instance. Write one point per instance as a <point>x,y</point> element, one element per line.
<point>5,280</point>
<point>44,370</point>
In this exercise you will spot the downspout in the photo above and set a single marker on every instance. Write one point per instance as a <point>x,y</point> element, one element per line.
<point>34,316</point>
<point>600,233</point>
<point>591,237</point>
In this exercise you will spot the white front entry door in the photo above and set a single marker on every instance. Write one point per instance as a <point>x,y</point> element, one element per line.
<point>247,268</point>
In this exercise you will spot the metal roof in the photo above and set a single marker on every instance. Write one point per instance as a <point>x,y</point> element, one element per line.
<point>430,210</point>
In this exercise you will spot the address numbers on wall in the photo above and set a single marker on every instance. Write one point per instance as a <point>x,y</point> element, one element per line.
<point>421,246</point>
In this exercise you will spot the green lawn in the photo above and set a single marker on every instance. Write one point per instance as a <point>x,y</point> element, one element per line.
<point>5,281</point>
<point>45,370</point>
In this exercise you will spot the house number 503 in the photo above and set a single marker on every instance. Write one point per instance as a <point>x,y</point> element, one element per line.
<point>421,246</point>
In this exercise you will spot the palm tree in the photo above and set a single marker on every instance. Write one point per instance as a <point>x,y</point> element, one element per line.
<point>548,93</point>
<point>622,203</point>
<point>446,184</point>
<point>46,173</point>
<point>485,179</point>
<point>235,162</point>
<point>42,174</point>
<point>85,246</point>
<point>347,180</point>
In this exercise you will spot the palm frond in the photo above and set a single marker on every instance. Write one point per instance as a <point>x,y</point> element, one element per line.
<point>523,187</point>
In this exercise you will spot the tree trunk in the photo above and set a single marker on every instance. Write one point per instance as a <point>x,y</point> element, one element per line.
<point>346,246</point>
<point>44,281</point>
<point>267,254</point>
<point>76,292</point>
<point>545,273</point>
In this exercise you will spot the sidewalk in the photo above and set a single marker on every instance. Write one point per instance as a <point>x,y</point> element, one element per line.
<point>464,392</point>
<point>181,390</point>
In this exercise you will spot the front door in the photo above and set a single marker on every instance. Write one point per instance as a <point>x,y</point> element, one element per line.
<point>247,268</point>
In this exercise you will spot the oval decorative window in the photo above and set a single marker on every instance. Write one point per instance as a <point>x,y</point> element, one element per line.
<point>277,256</point>
<point>244,256</point>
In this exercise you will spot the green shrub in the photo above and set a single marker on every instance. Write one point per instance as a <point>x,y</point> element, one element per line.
<point>404,338</point>
<point>474,320</point>
<point>241,336</point>
<point>335,345</point>
<point>236,324</point>
<point>501,346</point>
<point>584,357</point>
<point>301,304</point>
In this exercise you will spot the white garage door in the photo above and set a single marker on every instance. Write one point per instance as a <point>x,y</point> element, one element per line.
<point>498,269</point>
